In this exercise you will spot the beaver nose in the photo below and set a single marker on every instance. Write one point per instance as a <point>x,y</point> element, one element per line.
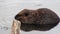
<point>17,17</point>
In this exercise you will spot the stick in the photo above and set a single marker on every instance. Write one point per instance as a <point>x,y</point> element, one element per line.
<point>16,27</point>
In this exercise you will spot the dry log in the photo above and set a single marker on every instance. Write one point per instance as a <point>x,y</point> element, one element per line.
<point>16,27</point>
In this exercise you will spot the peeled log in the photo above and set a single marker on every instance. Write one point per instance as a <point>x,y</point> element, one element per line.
<point>16,27</point>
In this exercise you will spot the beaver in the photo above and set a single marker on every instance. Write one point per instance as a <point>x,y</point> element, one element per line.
<point>42,19</point>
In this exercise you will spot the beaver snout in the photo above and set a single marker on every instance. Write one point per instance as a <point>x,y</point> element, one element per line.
<point>18,17</point>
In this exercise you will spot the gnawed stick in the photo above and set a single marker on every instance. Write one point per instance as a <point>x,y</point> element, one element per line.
<point>16,27</point>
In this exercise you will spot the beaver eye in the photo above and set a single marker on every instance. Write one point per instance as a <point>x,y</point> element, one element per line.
<point>26,14</point>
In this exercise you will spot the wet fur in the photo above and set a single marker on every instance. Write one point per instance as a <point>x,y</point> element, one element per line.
<point>42,19</point>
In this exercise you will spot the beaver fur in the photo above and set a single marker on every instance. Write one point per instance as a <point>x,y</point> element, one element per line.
<point>42,19</point>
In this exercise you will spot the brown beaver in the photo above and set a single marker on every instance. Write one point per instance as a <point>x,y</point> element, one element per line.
<point>42,19</point>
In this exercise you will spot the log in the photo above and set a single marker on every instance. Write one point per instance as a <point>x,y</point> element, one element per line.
<point>16,27</point>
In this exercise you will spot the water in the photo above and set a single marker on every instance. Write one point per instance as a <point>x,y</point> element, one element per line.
<point>9,8</point>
